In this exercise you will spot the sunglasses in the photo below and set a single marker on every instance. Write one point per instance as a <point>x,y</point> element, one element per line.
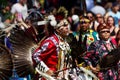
<point>83,22</point>
<point>99,17</point>
<point>104,31</point>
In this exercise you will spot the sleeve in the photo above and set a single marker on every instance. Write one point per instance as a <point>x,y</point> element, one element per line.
<point>42,53</point>
<point>90,54</point>
<point>13,9</point>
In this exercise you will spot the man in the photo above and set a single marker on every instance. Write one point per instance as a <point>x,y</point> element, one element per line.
<point>87,35</point>
<point>20,8</point>
<point>53,53</point>
<point>84,38</point>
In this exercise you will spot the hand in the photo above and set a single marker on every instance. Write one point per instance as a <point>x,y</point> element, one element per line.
<point>50,72</point>
<point>94,69</point>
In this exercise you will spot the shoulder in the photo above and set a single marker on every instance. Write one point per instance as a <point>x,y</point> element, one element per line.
<point>51,40</point>
<point>16,5</point>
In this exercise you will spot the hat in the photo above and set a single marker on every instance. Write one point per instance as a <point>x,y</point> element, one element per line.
<point>61,15</point>
<point>55,20</point>
<point>102,26</point>
<point>75,19</point>
<point>52,21</point>
<point>84,18</point>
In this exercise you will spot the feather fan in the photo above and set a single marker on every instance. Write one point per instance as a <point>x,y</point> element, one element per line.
<point>22,50</point>
<point>111,60</point>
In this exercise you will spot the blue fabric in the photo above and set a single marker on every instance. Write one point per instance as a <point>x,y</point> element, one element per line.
<point>8,44</point>
<point>16,77</point>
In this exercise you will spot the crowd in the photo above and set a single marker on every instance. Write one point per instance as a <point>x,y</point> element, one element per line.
<point>71,37</point>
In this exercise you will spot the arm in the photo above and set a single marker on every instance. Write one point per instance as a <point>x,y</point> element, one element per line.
<point>41,55</point>
<point>90,56</point>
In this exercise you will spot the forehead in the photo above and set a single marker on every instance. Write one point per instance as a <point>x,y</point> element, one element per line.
<point>98,14</point>
<point>63,21</point>
<point>105,30</point>
<point>110,18</point>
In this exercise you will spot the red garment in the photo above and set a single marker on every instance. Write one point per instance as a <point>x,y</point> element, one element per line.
<point>47,52</point>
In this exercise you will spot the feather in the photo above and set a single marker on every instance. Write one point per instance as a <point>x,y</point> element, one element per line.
<point>46,76</point>
<point>88,73</point>
<point>5,63</point>
<point>111,59</point>
<point>22,46</point>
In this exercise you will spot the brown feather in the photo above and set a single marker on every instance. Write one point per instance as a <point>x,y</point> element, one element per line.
<point>5,63</point>
<point>22,46</point>
<point>111,59</point>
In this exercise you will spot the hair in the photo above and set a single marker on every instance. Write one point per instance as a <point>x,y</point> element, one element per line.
<point>117,36</point>
<point>112,18</point>
<point>50,29</point>
<point>101,27</point>
<point>91,13</point>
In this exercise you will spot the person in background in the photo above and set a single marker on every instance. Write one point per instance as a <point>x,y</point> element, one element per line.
<point>98,50</point>
<point>87,35</point>
<point>113,30</point>
<point>99,19</point>
<point>20,9</point>
<point>118,45</point>
<point>114,13</point>
<point>7,14</point>
<point>91,17</point>
<point>118,38</point>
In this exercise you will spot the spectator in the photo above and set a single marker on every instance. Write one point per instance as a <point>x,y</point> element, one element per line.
<point>99,19</point>
<point>118,38</point>
<point>113,30</point>
<point>20,8</point>
<point>114,13</point>
<point>91,17</point>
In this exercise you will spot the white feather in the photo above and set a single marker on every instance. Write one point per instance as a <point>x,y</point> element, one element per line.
<point>53,23</point>
<point>46,76</point>
<point>89,73</point>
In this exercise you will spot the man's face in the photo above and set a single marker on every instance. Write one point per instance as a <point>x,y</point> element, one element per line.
<point>116,8</point>
<point>63,29</point>
<point>99,18</point>
<point>104,34</point>
<point>84,24</point>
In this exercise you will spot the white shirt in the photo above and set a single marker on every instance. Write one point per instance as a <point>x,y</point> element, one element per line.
<point>20,9</point>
